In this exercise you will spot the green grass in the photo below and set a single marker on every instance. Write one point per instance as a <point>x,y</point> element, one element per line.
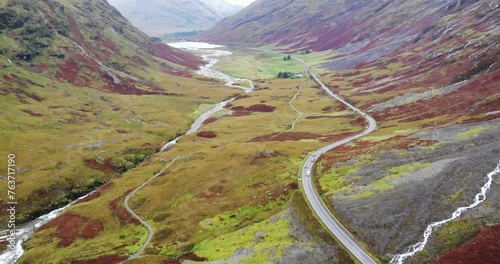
<point>363,195</point>
<point>275,237</point>
<point>395,172</point>
<point>135,247</point>
<point>256,65</point>
<point>336,181</point>
<point>385,182</point>
<point>470,133</point>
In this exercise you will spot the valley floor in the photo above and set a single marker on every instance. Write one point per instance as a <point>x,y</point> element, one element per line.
<point>235,196</point>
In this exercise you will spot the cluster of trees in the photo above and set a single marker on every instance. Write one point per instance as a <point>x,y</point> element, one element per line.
<point>287,58</point>
<point>128,162</point>
<point>285,75</point>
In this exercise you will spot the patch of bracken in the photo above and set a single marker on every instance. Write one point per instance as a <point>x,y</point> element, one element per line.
<point>206,134</point>
<point>483,249</point>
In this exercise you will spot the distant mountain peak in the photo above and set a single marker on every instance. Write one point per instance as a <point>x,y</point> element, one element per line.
<point>157,17</point>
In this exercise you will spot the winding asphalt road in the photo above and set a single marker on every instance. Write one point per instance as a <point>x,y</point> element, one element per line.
<point>315,201</point>
<point>312,195</point>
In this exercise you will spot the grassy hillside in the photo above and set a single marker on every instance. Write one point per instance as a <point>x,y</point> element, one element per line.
<point>325,25</point>
<point>85,98</point>
<point>427,71</point>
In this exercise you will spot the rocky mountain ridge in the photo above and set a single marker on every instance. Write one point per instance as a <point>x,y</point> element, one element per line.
<point>156,17</point>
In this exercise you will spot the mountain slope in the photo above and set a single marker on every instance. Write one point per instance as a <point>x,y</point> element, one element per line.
<point>157,17</point>
<point>77,82</point>
<point>323,25</point>
<point>428,73</point>
<point>224,7</point>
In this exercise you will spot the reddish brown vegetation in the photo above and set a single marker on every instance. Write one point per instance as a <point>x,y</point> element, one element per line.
<point>155,87</point>
<point>31,113</point>
<point>93,196</point>
<point>92,229</point>
<point>180,73</point>
<point>106,167</point>
<point>206,134</point>
<point>480,119</point>
<point>318,117</point>
<point>216,189</point>
<point>68,71</point>
<point>242,111</point>
<point>56,106</point>
<point>97,193</point>
<point>338,137</point>
<point>112,259</point>
<point>70,227</point>
<point>165,52</point>
<point>214,192</point>
<point>171,261</point>
<point>207,195</point>
<point>327,109</point>
<point>239,97</point>
<point>261,108</point>
<point>358,148</point>
<point>192,256</point>
<point>467,100</point>
<point>205,79</point>
<point>121,212</point>
<point>261,88</point>
<point>293,186</point>
<point>8,78</point>
<point>3,245</point>
<point>294,136</point>
<point>360,121</point>
<point>79,117</point>
<point>140,61</point>
<point>210,120</point>
<point>75,29</point>
<point>482,249</point>
<point>258,184</point>
<point>38,68</point>
<point>30,95</point>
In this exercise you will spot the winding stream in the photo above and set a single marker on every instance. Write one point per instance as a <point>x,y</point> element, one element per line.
<point>479,198</point>
<point>211,56</point>
<point>25,232</point>
<point>230,81</point>
<point>206,71</point>
<point>212,59</point>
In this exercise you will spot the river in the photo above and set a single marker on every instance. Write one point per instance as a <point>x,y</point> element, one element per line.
<point>211,55</point>
<point>478,199</point>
